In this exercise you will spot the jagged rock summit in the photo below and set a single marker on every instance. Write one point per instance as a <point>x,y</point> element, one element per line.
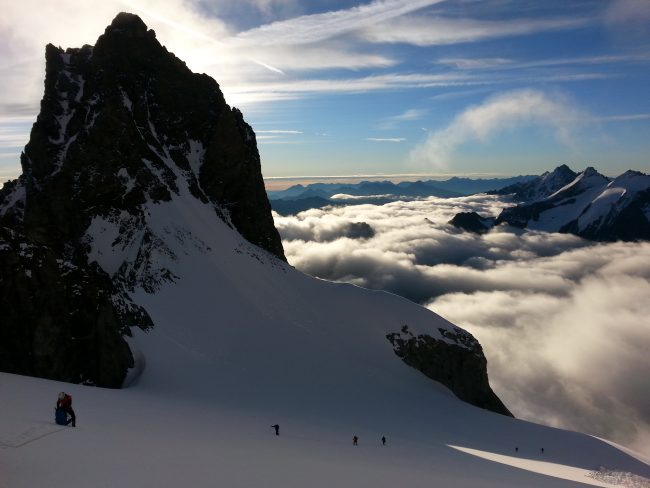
<point>128,101</point>
<point>123,125</point>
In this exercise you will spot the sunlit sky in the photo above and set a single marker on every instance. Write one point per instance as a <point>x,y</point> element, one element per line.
<point>469,87</point>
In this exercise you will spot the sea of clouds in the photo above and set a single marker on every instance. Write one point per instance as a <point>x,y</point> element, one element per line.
<point>564,322</point>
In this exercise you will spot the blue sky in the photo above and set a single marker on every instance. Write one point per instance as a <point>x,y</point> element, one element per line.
<point>394,87</point>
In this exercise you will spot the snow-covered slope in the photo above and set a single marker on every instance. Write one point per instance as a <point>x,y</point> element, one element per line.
<point>142,438</point>
<point>242,341</point>
<point>621,209</point>
<point>569,201</point>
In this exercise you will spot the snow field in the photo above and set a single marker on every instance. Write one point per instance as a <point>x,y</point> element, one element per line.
<point>132,438</point>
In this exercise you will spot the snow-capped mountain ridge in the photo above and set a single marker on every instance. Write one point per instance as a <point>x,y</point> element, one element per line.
<point>541,187</point>
<point>584,181</point>
<point>592,206</point>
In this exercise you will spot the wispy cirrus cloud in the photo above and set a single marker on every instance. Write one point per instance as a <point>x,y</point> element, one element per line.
<point>511,64</point>
<point>287,89</point>
<point>313,28</point>
<point>409,115</point>
<point>279,136</point>
<point>385,139</point>
<point>498,113</point>
<point>475,63</point>
<point>623,118</point>
<point>271,7</point>
<point>429,31</point>
<point>389,81</point>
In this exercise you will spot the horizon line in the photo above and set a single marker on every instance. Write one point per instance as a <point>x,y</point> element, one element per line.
<point>385,175</point>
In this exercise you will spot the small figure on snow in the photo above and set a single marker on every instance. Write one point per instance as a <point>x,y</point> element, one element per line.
<point>277,429</point>
<point>383,440</point>
<point>64,403</point>
<point>542,450</point>
<point>355,439</point>
<point>516,449</point>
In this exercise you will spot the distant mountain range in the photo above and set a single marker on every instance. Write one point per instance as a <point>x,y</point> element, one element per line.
<point>587,204</point>
<point>317,195</point>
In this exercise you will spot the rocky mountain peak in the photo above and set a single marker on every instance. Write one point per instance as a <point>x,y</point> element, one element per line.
<point>562,173</point>
<point>541,187</point>
<point>128,25</point>
<point>590,171</point>
<point>563,170</point>
<point>124,126</point>
<point>630,173</point>
<point>158,127</point>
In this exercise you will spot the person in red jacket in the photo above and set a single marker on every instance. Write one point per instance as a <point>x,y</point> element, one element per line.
<point>65,402</point>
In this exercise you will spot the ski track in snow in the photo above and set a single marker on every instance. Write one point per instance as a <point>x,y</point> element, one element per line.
<point>31,434</point>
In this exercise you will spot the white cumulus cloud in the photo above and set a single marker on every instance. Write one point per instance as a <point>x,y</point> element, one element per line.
<point>501,112</point>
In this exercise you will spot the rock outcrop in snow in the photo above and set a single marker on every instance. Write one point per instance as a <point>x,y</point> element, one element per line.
<point>456,361</point>
<point>61,320</point>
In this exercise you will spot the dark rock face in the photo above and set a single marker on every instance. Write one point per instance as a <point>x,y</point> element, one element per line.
<point>520,215</point>
<point>128,110</point>
<point>122,124</point>
<point>60,320</point>
<point>359,230</point>
<point>459,364</point>
<point>472,222</point>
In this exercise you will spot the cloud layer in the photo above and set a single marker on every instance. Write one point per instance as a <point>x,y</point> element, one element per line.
<point>563,322</point>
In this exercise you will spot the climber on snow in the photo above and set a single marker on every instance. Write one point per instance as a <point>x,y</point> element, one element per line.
<point>64,409</point>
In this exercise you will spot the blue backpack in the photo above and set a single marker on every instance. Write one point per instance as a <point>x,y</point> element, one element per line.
<point>60,417</point>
